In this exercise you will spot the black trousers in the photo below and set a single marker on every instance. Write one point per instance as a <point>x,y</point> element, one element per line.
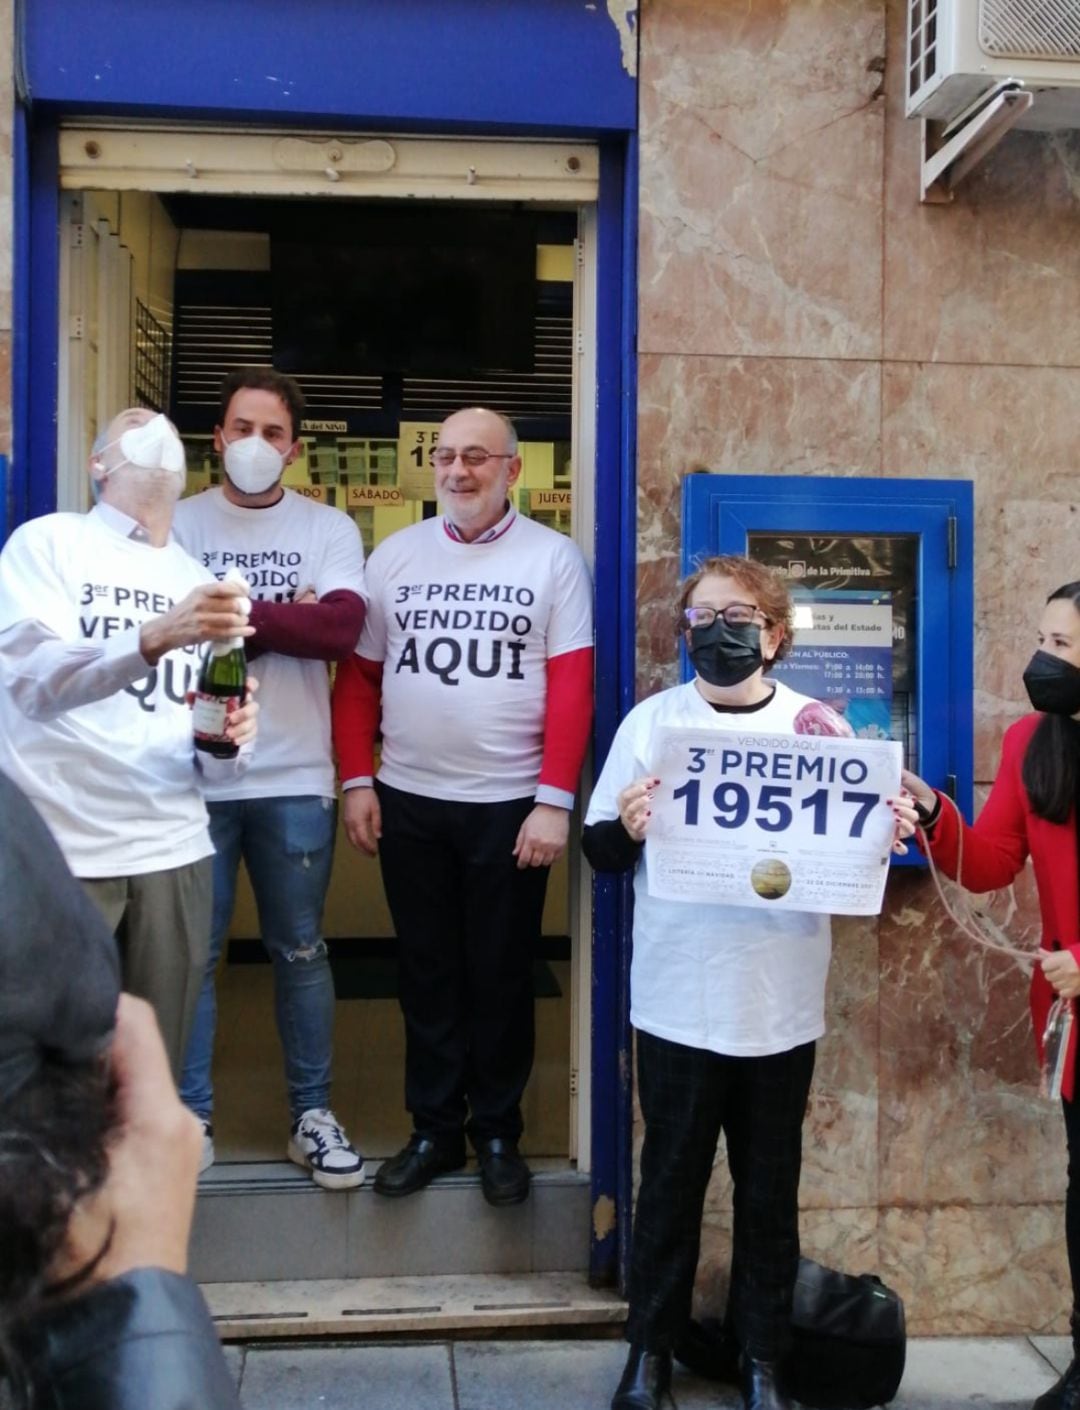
<point>688,1096</point>
<point>1072,1208</point>
<point>467,922</point>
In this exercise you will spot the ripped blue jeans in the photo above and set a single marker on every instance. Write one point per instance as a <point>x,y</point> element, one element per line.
<point>288,846</point>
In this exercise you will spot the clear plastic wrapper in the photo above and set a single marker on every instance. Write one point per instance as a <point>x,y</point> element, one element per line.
<point>1059,1024</point>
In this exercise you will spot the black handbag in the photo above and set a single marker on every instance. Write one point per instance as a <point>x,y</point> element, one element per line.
<point>848,1342</point>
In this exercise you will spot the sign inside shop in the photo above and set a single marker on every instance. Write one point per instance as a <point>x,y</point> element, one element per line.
<point>374,497</point>
<point>416,441</point>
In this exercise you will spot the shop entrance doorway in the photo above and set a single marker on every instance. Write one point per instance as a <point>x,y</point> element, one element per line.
<point>168,279</point>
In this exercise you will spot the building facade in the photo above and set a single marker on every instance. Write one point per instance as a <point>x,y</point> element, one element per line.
<point>798,312</point>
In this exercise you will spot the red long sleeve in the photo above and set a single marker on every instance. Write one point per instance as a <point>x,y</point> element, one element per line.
<point>355,710</point>
<point>994,851</point>
<point>327,630</point>
<point>568,718</point>
<point>996,847</point>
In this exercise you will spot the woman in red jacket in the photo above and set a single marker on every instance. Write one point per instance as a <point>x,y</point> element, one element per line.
<point>1032,810</point>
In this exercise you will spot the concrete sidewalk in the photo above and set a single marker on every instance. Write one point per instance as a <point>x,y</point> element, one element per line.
<point>1004,1373</point>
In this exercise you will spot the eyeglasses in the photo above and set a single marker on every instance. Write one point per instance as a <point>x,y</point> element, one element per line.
<point>735,614</point>
<point>472,456</point>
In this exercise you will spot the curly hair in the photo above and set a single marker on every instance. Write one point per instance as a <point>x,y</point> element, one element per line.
<point>764,585</point>
<point>263,379</point>
<point>54,1134</point>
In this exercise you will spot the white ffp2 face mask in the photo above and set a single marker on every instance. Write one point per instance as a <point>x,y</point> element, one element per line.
<point>152,446</point>
<point>252,464</point>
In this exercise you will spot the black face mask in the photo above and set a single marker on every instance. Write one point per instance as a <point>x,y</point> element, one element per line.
<point>724,655</point>
<point>1053,685</point>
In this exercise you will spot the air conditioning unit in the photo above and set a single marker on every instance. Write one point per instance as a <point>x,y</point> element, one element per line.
<point>960,50</point>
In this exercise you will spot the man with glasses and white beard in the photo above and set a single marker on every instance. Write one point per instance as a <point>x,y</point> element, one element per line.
<point>305,565</point>
<point>101,617</point>
<point>477,655</point>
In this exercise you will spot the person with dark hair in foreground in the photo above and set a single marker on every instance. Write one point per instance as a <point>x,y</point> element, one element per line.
<point>1031,811</point>
<point>100,1160</point>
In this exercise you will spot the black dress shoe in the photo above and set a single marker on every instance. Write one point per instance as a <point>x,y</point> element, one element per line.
<point>1064,1394</point>
<point>504,1176</point>
<point>416,1166</point>
<point>646,1381</point>
<point>759,1388</point>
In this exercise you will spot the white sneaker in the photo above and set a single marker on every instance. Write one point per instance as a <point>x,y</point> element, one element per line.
<point>319,1143</point>
<point>207,1157</point>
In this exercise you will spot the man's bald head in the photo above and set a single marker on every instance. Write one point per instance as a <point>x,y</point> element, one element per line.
<point>483,415</point>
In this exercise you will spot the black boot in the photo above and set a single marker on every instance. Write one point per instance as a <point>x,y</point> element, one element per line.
<point>646,1381</point>
<point>1065,1394</point>
<point>759,1388</point>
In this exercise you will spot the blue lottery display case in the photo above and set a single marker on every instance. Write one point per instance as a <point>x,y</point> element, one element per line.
<point>882,573</point>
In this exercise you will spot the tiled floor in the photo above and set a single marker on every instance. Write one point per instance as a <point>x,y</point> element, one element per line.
<point>251,1116</point>
<point>942,1374</point>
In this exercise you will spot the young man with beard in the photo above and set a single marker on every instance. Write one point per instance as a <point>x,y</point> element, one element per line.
<point>305,564</point>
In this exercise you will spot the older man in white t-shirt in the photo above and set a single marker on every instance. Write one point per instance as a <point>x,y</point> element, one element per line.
<point>477,652</point>
<point>101,615</point>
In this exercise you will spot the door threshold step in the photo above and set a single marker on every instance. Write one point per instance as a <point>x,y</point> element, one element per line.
<point>386,1307</point>
<point>274,1224</point>
<point>268,1177</point>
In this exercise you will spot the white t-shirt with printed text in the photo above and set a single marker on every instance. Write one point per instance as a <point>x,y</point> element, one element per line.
<point>465,631</point>
<point>115,780</point>
<point>737,980</point>
<point>280,550</point>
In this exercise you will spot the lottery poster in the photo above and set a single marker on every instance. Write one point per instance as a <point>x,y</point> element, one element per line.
<point>857,612</point>
<point>843,654</point>
<point>795,822</point>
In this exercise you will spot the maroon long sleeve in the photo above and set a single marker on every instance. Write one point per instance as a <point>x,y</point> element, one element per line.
<point>327,630</point>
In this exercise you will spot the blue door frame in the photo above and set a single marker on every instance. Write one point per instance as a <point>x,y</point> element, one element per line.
<point>543,68</point>
<point>720,512</point>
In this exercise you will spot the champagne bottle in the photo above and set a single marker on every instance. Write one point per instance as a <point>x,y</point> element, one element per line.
<point>220,691</point>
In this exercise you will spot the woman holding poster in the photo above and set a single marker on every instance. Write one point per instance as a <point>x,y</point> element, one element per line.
<point>727,1000</point>
<point>1031,811</point>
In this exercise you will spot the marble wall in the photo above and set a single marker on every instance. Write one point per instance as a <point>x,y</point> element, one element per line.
<point>801,312</point>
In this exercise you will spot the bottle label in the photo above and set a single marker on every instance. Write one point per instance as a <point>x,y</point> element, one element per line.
<point>209,714</point>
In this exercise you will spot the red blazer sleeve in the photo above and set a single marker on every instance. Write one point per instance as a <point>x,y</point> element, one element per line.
<point>567,718</point>
<point>995,848</point>
<point>355,712</point>
<point>327,630</point>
